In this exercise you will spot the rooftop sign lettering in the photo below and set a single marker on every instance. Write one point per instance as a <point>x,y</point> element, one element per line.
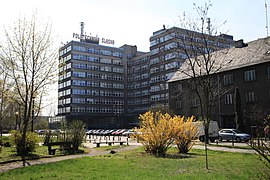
<point>93,38</point>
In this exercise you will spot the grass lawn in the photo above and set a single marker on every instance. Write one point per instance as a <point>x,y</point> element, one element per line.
<point>136,164</point>
<point>9,153</point>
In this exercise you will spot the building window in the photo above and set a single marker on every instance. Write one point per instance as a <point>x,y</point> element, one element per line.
<point>92,58</point>
<point>78,109</point>
<point>154,61</point>
<point>79,48</point>
<point>178,104</point>
<point>92,109</point>
<point>105,110</point>
<point>93,75</point>
<point>118,86</point>
<point>78,100</point>
<point>155,97</point>
<point>92,84</point>
<point>228,98</point>
<point>64,101</point>
<point>192,85</point>
<point>106,76</point>
<point>78,74</point>
<point>155,88</point>
<point>193,103</point>
<point>145,75</point>
<point>116,61</point>
<point>79,57</point>
<point>92,50</point>
<point>106,61</point>
<point>105,52</point>
<point>118,94</point>
<point>179,87</point>
<point>118,102</point>
<point>78,83</point>
<point>105,84</point>
<point>154,51</point>
<point>79,66</point>
<point>250,75</point>
<point>118,78</point>
<point>228,79</point>
<point>106,68</point>
<point>92,92</point>
<point>78,91</point>
<point>251,96</point>
<point>105,93</point>
<point>105,101</point>
<point>118,70</point>
<point>92,101</point>
<point>92,67</point>
<point>268,72</point>
<point>169,56</point>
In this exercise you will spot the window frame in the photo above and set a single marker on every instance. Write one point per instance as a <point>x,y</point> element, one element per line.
<point>250,75</point>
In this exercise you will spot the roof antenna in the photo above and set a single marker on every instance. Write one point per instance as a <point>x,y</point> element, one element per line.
<point>82,31</point>
<point>266,18</point>
<point>208,21</point>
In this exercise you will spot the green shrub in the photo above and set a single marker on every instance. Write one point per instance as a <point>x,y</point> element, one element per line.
<point>30,142</point>
<point>76,133</point>
<point>7,144</point>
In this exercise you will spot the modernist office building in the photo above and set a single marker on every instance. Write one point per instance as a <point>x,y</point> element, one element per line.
<point>109,87</point>
<point>168,50</point>
<point>92,82</point>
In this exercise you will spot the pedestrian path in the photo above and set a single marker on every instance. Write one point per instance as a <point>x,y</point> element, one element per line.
<point>227,149</point>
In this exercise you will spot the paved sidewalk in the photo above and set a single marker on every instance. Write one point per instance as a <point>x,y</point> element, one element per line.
<point>220,148</point>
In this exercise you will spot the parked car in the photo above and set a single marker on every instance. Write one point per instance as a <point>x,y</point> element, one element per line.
<point>233,134</point>
<point>89,132</point>
<point>96,131</point>
<point>108,132</point>
<point>128,132</point>
<point>118,132</point>
<point>41,131</point>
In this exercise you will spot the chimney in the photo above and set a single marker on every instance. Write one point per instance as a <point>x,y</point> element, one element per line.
<point>164,26</point>
<point>240,44</point>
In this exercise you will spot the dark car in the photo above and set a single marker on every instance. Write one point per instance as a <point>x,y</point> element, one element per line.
<point>233,134</point>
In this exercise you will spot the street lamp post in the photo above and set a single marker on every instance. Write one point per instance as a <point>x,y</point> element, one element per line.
<point>17,115</point>
<point>33,113</point>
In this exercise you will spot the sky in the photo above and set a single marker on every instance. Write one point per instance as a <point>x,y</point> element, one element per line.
<point>134,21</point>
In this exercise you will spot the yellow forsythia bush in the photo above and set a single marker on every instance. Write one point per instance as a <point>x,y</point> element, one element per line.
<point>187,131</point>
<point>156,132</point>
<point>159,131</point>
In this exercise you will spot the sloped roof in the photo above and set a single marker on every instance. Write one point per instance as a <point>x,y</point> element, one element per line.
<point>256,52</point>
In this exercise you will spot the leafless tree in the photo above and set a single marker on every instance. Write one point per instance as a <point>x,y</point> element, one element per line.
<point>198,45</point>
<point>200,66</point>
<point>30,60</point>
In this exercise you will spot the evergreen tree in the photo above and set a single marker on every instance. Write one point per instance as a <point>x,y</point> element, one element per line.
<point>238,110</point>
